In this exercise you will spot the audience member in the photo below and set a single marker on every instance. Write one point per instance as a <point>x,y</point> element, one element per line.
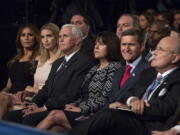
<point>83,22</point>
<point>176,23</point>
<point>23,65</point>
<point>145,21</point>
<point>168,19</point>
<point>49,52</point>
<point>131,50</point>
<point>126,21</point>
<point>156,32</point>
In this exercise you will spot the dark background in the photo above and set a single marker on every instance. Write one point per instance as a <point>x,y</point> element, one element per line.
<point>16,12</point>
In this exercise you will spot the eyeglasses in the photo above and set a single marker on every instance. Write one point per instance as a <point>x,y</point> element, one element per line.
<point>123,25</point>
<point>164,50</point>
<point>153,31</point>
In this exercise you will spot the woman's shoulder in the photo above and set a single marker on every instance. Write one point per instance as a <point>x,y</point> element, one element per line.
<point>114,65</point>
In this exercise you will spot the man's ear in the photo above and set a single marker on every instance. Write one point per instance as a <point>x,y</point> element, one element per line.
<point>78,40</point>
<point>176,58</point>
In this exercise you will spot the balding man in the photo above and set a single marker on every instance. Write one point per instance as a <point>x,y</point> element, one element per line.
<point>125,22</point>
<point>147,106</point>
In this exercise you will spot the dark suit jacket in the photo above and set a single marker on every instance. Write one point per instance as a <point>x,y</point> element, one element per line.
<point>117,92</point>
<point>66,87</point>
<point>173,120</point>
<point>164,101</point>
<point>87,46</point>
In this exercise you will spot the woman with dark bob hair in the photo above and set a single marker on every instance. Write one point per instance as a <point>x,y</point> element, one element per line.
<point>95,89</point>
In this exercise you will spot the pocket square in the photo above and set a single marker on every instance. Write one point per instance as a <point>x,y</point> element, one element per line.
<point>162,92</point>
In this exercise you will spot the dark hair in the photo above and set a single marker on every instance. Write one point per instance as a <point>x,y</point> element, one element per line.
<point>134,32</point>
<point>19,47</point>
<point>162,28</point>
<point>112,42</point>
<point>167,17</point>
<point>149,17</point>
<point>86,18</point>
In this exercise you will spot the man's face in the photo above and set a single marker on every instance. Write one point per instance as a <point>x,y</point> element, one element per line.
<point>79,21</point>
<point>124,23</point>
<point>67,41</point>
<point>176,20</point>
<point>130,48</point>
<point>143,22</point>
<point>163,56</point>
<point>153,34</point>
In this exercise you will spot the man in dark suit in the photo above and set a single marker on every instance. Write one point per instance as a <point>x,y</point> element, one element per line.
<point>172,131</point>
<point>64,81</point>
<point>83,22</point>
<point>169,127</point>
<point>131,50</point>
<point>150,104</point>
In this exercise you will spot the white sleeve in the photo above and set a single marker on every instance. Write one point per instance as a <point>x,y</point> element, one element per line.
<point>177,127</point>
<point>129,100</point>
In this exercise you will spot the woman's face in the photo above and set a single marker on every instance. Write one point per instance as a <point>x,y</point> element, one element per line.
<point>48,39</point>
<point>100,50</point>
<point>143,22</point>
<point>27,38</point>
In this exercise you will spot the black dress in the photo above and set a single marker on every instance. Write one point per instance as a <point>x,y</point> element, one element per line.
<point>21,75</point>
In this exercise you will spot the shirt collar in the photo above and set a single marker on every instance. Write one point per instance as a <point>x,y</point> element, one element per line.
<point>167,72</point>
<point>134,63</point>
<point>84,37</point>
<point>70,56</point>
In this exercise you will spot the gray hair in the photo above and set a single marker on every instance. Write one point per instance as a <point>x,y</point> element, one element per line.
<point>76,31</point>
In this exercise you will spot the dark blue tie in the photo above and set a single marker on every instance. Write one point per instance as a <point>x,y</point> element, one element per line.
<point>152,87</point>
<point>62,66</point>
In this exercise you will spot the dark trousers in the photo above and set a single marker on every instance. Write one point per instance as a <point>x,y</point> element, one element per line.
<point>111,122</point>
<point>31,120</point>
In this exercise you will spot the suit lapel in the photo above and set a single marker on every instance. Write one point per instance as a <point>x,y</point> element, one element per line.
<point>141,66</point>
<point>163,88</point>
<point>69,63</point>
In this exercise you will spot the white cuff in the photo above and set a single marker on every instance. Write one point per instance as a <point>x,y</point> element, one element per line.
<point>177,127</point>
<point>45,108</point>
<point>129,100</point>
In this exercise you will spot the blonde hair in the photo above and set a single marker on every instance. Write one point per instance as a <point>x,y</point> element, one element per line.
<point>44,54</point>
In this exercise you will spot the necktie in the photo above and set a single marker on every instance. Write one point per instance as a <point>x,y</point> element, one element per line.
<point>152,87</point>
<point>62,66</point>
<point>125,75</point>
